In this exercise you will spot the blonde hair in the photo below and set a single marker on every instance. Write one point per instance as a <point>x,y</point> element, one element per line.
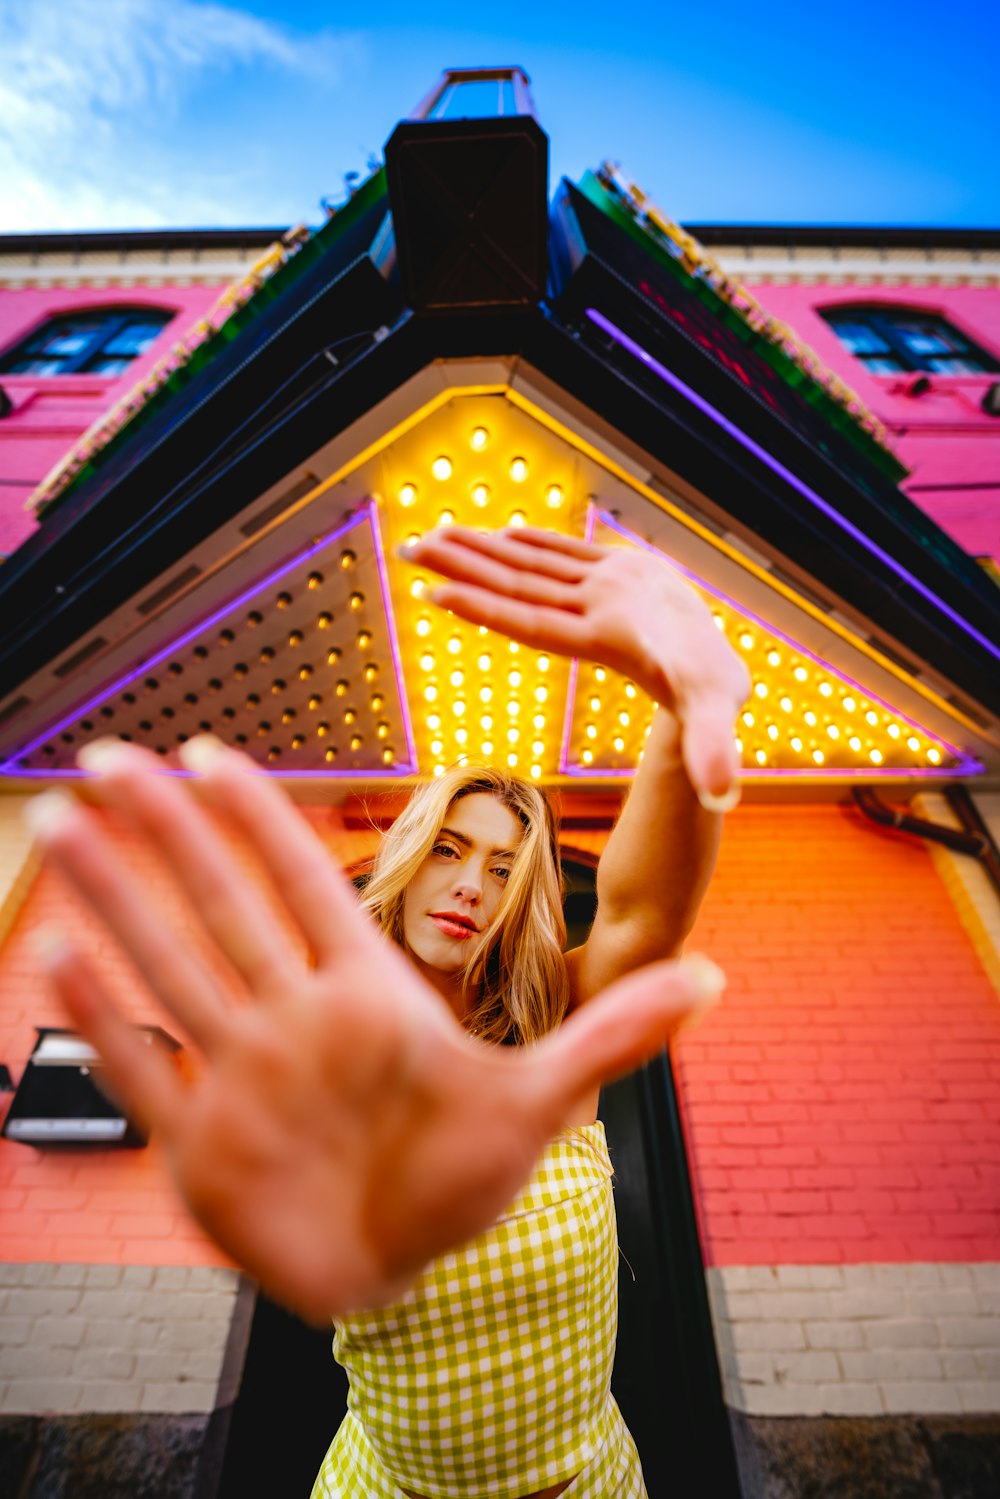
<point>517,961</point>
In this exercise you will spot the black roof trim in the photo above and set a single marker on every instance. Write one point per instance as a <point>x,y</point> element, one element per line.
<point>837,235</point>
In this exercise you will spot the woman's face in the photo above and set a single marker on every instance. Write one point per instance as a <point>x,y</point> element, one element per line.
<point>458,888</point>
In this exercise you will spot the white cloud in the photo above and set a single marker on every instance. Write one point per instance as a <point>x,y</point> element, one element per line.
<point>87,94</point>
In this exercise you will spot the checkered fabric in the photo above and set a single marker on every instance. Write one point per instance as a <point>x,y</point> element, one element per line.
<point>492,1376</point>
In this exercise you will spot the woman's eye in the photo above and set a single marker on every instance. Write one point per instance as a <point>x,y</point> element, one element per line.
<point>443,848</point>
<point>502,873</point>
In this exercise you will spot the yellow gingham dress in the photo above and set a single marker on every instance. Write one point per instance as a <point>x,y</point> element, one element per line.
<point>492,1376</point>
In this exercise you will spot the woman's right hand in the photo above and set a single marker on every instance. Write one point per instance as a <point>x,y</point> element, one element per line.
<point>341,1129</point>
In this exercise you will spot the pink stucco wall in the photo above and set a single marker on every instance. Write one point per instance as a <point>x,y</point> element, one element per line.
<point>51,411</point>
<point>943,436</point>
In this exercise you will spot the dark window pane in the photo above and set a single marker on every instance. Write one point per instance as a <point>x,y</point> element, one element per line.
<point>29,366</point>
<point>860,338</point>
<point>133,339</point>
<point>65,339</point>
<point>955,365</point>
<point>104,365</point>
<point>923,340</point>
<point>882,365</point>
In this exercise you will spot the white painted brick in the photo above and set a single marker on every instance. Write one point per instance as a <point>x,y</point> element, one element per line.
<point>970,1332</point>
<point>835,1334</point>
<point>980,1397</point>
<point>10,1275</point>
<point>784,1400</point>
<point>856,1277</point>
<point>112,1332</point>
<point>918,1276</point>
<point>194,1335</point>
<point>742,1306</point>
<point>170,1277</point>
<point>826,1277</point>
<point>58,1332</point>
<point>14,1330</point>
<point>791,1278</point>
<point>964,1364</point>
<point>187,1306</point>
<point>217,1278</point>
<point>958,1301</point>
<point>31,1363</point>
<point>903,1363</point>
<point>754,1368</point>
<point>104,1277</point>
<point>903,1332</point>
<point>159,1366</point>
<point>47,1303</point>
<point>795,1305</point>
<point>114,1302</point>
<point>931,1398</point>
<point>40,1274</point>
<point>986,1277</point>
<point>988,1362</point>
<point>732,1278</point>
<point>137,1277</point>
<point>104,1363</point>
<point>956,1275</point>
<point>107,1396</point>
<point>863,1303</point>
<point>196,1396</point>
<point>816,1366</point>
<point>988,1300</point>
<point>68,1275</point>
<point>851,1400</point>
<point>763,1277</point>
<point>217,1306</point>
<point>43,1396</point>
<point>764,1335</point>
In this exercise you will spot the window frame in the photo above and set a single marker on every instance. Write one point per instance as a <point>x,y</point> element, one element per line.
<point>881,318</point>
<point>111,323</point>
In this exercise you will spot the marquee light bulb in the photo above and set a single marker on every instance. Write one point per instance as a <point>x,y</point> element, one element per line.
<point>417,587</point>
<point>600,675</point>
<point>772,732</point>
<point>436,746</point>
<point>619,745</point>
<point>630,689</point>
<point>458,707</point>
<point>761,689</point>
<point>517,518</point>
<point>427,662</point>
<point>513,708</point>
<point>434,722</point>
<point>746,641</point>
<point>786,703</point>
<point>875,756</point>
<point>773,658</point>
<point>933,755</point>
<point>536,771</point>
<point>796,745</point>
<point>487,746</point>
<point>539,720</point>
<point>480,437</point>
<point>587,756</point>
<point>446,518</point>
<point>810,718</point>
<point>855,743</point>
<point>800,674</point>
<point>455,644</point>
<point>913,743</point>
<point>591,731</point>
<point>387,756</point>
<point>893,731</point>
<point>461,735</point>
<point>538,748</point>
<point>871,717</point>
<point>407,494</point>
<point>513,735</point>
<point>624,719</point>
<point>486,694</point>
<point>749,720</point>
<point>423,625</point>
<point>441,468</point>
<point>486,723</point>
<point>430,693</point>
<point>541,693</point>
<point>457,678</point>
<point>514,678</point>
<point>825,690</point>
<point>553,497</point>
<point>818,756</point>
<point>480,495</point>
<point>518,470</point>
<point>595,705</point>
<point>512,760</point>
<point>849,704</point>
<point>760,756</point>
<point>833,731</point>
<point>485,662</point>
<point>357,601</point>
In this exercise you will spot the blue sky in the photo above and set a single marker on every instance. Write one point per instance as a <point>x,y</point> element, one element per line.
<point>145,113</point>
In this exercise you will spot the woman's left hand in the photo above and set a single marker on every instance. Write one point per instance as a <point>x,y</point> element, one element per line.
<point>621,607</point>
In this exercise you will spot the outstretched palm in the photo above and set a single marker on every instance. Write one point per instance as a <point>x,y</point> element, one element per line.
<point>342,1128</point>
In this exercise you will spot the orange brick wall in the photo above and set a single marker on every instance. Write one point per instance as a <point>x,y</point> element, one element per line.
<point>842,1104</point>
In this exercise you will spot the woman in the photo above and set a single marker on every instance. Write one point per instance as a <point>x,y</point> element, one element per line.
<point>351,1126</point>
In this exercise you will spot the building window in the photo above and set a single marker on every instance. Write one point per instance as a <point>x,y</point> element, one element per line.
<point>893,340</point>
<point>101,342</point>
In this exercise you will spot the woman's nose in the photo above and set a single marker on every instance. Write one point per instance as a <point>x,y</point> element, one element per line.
<point>467,887</point>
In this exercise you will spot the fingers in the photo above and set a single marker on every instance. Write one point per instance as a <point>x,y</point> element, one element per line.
<point>316,894</point>
<point>139,1072</point>
<point>621,1028</point>
<point>538,626</point>
<point>83,852</point>
<point>496,564</point>
<point>556,541</point>
<point>231,908</point>
<point>709,749</point>
<point>538,557</point>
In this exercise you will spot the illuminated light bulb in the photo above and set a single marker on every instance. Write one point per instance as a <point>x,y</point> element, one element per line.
<point>514,678</point>
<point>513,647</point>
<point>315,580</point>
<point>458,707</point>
<point>849,705</point>
<point>595,705</point>
<point>423,625</point>
<point>267,654</point>
<point>486,723</point>
<point>324,620</point>
<point>430,693</point>
<point>875,756</point>
<point>483,630</point>
<point>347,560</point>
<point>553,497</point>
<point>913,743</point>
<point>893,731</point>
<point>288,715</point>
<point>376,701</point>
<point>512,760</point>
<point>855,743</point>
<point>480,495</point>
<point>810,718</point>
<point>513,735</point>
<point>446,518</point>
<point>760,756</point>
<point>739,745</point>
<point>786,703</point>
<point>461,735</point>
<point>536,771</point>
<point>746,640</point>
<point>624,719</point>
<point>439,770</point>
<point>600,675</point>
<point>357,601</point>
<point>295,637</point>
<point>513,708</point>
<point>333,656</point>
<point>591,731</point>
<point>487,746</point>
<point>322,729</point>
<point>363,639</point>
<point>298,741</point>
<point>772,731</point>
<point>407,494</point>
<point>350,716</point>
<point>455,644</point>
<point>253,618</point>
<point>630,689</point>
<point>413,537</point>
<point>833,731</point>
<point>305,672</point>
<point>761,689</point>
<point>441,468</point>
<point>331,754</point>
<point>486,694</point>
<point>434,722</point>
<point>417,587</point>
<point>539,720</point>
<point>485,662</point>
<point>480,437</point>
<point>587,756</point>
<point>315,701</point>
<point>274,753</point>
<point>719,621</point>
<point>436,746</point>
<point>773,658</point>
<point>818,756</point>
<point>933,755</point>
<point>538,748</point>
<point>796,745</point>
<point>457,678</point>
<point>800,674</point>
<point>825,689</point>
<point>382,730</point>
<point>749,720</point>
<point>427,661</point>
<point>518,470</point>
<point>356,741</point>
<point>541,693</point>
<point>517,518</point>
<point>871,717</point>
<point>388,756</point>
<point>278,686</point>
<point>619,745</point>
<point>283,600</point>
